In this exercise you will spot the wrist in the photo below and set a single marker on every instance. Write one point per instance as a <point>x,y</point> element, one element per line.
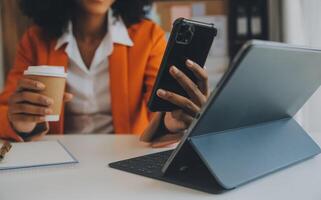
<point>38,129</point>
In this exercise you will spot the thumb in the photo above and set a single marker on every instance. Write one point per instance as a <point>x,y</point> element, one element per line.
<point>68,97</point>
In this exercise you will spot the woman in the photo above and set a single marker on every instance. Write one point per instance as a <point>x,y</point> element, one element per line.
<point>112,54</point>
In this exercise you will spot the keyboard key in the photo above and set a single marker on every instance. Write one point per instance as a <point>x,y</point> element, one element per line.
<point>149,164</point>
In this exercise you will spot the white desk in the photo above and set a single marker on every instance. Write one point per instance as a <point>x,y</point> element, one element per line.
<point>91,179</point>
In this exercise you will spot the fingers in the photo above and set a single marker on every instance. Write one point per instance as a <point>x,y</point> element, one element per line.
<point>177,121</point>
<point>189,86</point>
<point>182,102</point>
<point>180,120</point>
<point>31,97</point>
<point>201,75</point>
<point>68,97</point>
<point>28,84</point>
<point>29,109</point>
<point>26,118</point>
<point>180,115</point>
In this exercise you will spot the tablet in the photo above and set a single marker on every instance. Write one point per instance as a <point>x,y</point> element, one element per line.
<point>246,130</point>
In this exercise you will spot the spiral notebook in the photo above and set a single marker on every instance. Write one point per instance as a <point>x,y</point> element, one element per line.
<point>36,154</point>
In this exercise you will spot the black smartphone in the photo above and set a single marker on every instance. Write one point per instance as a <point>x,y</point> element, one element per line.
<point>189,40</point>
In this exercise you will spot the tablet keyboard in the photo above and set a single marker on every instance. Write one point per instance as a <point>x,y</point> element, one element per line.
<point>149,165</point>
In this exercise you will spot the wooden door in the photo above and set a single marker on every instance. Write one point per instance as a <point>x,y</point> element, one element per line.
<point>14,25</point>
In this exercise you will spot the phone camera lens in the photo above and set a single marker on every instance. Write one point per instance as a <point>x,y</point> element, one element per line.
<point>185,34</point>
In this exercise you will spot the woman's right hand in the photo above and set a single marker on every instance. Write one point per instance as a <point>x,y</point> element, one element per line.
<point>27,108</point>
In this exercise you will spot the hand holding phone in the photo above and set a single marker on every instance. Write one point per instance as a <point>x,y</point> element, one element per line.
<point>177,121</point>
<point>190,42</point>
<point>181,88</point>
<point>180,119</point>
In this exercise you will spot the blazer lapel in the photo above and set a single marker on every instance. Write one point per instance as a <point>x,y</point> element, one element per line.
<point>118,71</point>
<point>58,57</point>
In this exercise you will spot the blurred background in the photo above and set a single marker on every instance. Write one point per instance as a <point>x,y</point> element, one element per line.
<point>290,21</point>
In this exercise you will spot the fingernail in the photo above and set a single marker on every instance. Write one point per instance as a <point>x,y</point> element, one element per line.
<point>174,70</point>
<point>189,63</point>
<point>40,85</point>
<point>48,111</point>
<point>161,92</point>
<point>48,102</point>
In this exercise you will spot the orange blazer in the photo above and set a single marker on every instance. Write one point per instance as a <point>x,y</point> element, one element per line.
<point>132,71</point>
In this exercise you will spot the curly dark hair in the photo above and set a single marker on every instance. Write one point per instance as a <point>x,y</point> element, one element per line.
<point>53,15</point>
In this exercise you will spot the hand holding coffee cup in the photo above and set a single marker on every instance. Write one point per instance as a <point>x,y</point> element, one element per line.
<point>38,98</point>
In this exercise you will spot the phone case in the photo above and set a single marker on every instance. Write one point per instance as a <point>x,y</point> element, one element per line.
<point>189,40</point>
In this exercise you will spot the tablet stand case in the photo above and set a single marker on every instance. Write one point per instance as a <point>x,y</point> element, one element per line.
<point>234,157</point>
<point>221,161</point>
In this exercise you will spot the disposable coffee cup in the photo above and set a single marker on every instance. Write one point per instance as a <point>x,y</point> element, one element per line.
<point>54,78</point>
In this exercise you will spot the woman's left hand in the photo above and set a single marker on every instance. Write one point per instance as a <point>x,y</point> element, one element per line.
<point>179,120</point>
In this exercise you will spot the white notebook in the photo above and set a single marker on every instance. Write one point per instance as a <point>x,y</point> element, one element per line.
<point>36,154</point>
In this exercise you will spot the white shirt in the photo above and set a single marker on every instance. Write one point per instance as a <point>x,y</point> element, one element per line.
<point>90,109</point>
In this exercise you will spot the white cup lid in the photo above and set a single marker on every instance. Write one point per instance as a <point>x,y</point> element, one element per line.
<point>55,71</point>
